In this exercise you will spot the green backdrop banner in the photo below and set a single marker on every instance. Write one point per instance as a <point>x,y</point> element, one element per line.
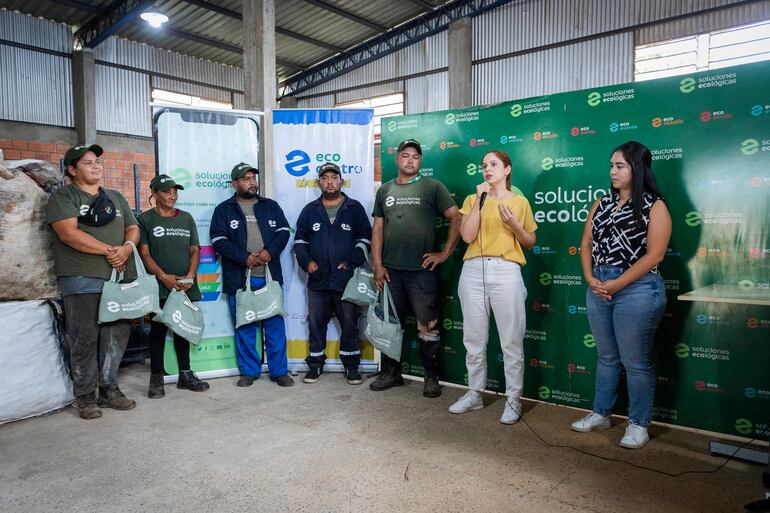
<point>710,138</point>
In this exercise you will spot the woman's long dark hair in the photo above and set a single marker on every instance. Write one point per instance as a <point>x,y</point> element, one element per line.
<point>639,158</point>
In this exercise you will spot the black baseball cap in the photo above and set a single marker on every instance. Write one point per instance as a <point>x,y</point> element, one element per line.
<point>241,169</point>
<point>329,168</point>
<point>164,183</point>
<point>410,142</point>
<point>78,151</point>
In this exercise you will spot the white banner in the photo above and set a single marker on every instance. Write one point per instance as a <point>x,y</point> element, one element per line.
<point>304,140</point>
<point>198,149</point>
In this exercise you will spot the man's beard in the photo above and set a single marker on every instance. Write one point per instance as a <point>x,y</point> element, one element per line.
<point>331,195</point>
<point>246,194</point>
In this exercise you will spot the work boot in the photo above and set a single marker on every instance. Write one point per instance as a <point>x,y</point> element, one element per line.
<point>189,381</point>
<point>156,390</point>
<point>313,374</point>
<point>246,381</point>
<point>353,377</point>
<point>86,405</point>
<point>112,397</point>
<point>431,388</point>
<point>283,381</point>
<point>387,378</point>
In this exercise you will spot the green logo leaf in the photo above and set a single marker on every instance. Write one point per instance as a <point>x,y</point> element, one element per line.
<point>746,284</point>
<point>744,426</point>
<point>682,350</point>
<point>693,218</point>
<point>447,324</point>
<point>588,341</point>
<point>749,146</point>
<point>546,164</point>
<point>544,392</point>
<point>687,85</point>
<point>545,279</point>
<point>449,119</point>
<point>182,176</point>
<point>391,126</point>
<point>594,98</point>
<point>471,169</point>
<point>516,110</point>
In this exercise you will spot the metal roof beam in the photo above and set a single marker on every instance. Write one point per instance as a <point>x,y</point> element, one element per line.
<point>81,6</point>
<point>400,37</point>
<point>423,4</point>
<point>310,40</point>
<point>108,22</point>
<point>216,8</point>
<point>339,12</point>
<point>195,38</point>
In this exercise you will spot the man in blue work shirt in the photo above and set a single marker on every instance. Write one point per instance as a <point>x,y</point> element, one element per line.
<point>325,244</point>
<point>249,232</point>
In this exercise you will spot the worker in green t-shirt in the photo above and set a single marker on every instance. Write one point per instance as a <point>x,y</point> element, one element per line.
<point>93,227</point>
<point>170,251</point>
<point>404,254</point>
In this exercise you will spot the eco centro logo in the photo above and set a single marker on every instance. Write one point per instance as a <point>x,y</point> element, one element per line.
<point>689,84</point>
<point>621,126</point>
<point>510,139</point>
<point>544,135</point>
<point>447,145</point>
<point>298,163</point>
<point>576,309</point>
<point>541,364</point>
<point>543,250</point>
<point>549,163</point>
<point>704,252</point>
<point>577,131</point>
<point>682,351</point>
<point>478,142</point>
<point>714,115</point>
<point>704,386</point>
<point>754,323</point>
<point>547,279</point>
<point>573,368</point>
<point>542,307</point>
<point>561,396</point>
<point>595,98</point>
<point>568,206</point>
<point>756,393</point>
<point>461,117</point>
<point>519,109</point>
<point>752,146</point>
<point>760,110</point>
<point>658,122</point>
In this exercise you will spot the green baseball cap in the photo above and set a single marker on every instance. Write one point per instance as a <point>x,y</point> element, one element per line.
<point>329,167</point>
<point>410,142</point>
<point>241,169</point>
<point>78,151</point>
<point>164,183</point>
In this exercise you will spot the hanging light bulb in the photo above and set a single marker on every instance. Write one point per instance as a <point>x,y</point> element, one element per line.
<point>154,17</point>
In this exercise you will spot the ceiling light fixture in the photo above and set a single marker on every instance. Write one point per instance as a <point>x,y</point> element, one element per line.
<point>154,18</point>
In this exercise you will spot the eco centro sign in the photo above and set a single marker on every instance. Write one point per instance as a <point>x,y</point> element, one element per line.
<point>564,205</point>
<point>298,163</point>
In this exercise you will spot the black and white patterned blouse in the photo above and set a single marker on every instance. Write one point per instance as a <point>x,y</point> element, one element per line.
<point>617,239</point>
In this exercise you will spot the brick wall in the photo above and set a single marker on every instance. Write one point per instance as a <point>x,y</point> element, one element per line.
<point>118,166</point>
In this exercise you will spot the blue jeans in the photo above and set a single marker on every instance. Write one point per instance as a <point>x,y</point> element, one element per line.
<point>249,362</point>
<point>624,329</point>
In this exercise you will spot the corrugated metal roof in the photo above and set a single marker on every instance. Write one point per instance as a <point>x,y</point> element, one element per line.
<point>190,21</point>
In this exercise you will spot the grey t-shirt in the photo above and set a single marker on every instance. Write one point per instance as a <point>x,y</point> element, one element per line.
<point>254,242</point>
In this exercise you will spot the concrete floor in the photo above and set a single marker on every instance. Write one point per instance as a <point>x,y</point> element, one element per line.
<point>332,447</point>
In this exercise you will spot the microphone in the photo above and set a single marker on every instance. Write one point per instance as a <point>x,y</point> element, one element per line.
<point>482,199</point>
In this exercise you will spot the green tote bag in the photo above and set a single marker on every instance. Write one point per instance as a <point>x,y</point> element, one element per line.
<point>129,300</point>
<point>182,316</point>
<point>383,328</point>
<point>258,305</point>
<point>360,289</point>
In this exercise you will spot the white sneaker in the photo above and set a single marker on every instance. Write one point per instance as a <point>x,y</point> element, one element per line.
<point>590,422</point>
<point>471,401</point>
<point>512,411</point>
<point>635,437</point>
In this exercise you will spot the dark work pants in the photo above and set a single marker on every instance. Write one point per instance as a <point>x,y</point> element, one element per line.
<point>321,304</point>
<point>418,291</point>
<point>95,349</point>
<point>158,344</point>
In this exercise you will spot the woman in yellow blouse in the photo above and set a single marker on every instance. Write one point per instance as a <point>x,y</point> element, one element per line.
<point>496,223</point>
